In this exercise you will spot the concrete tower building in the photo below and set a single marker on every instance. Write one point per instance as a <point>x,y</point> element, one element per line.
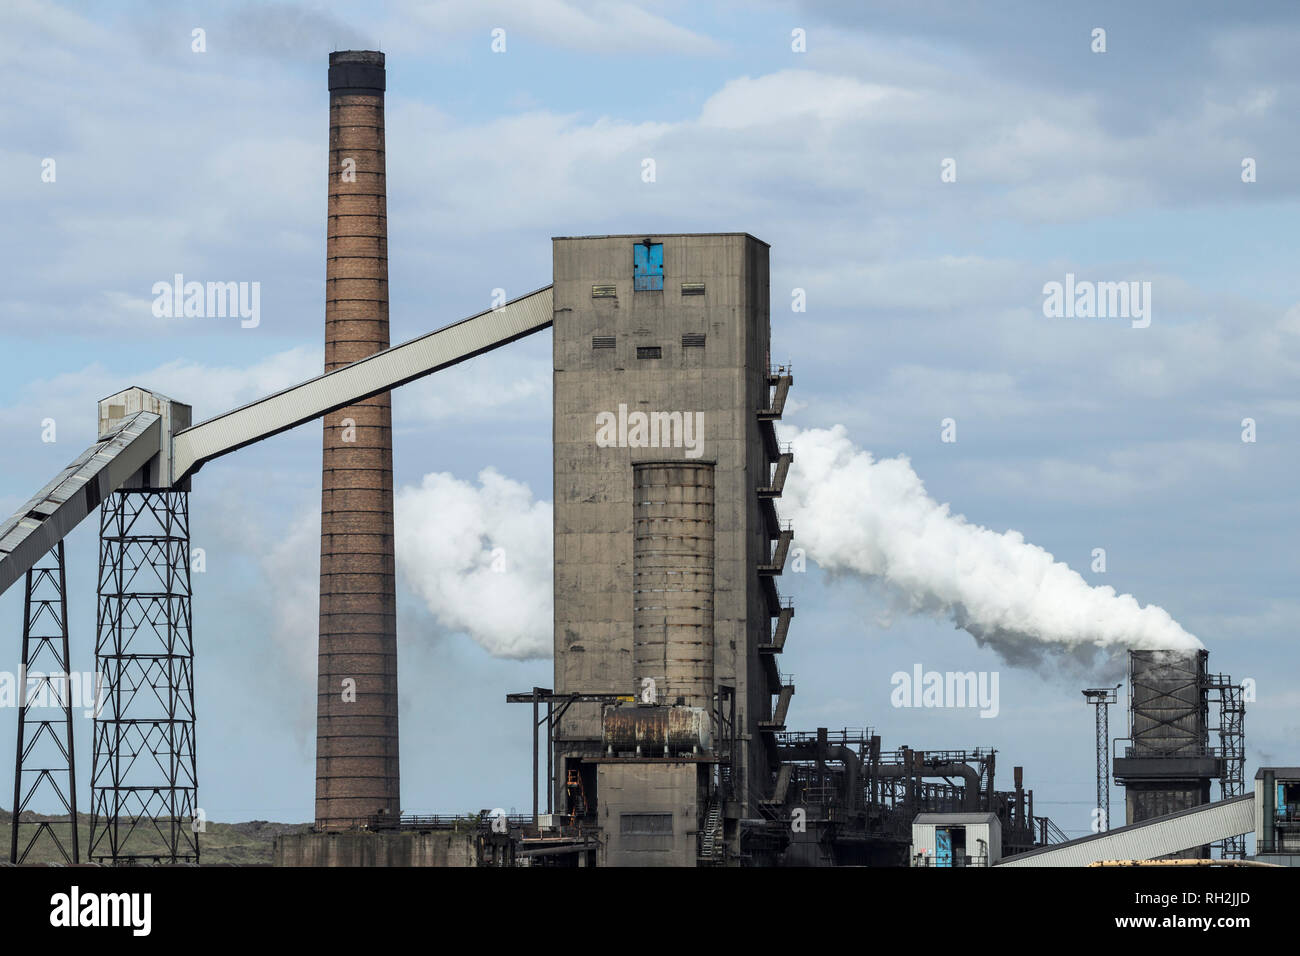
<point>667,540</point>
<point>356,725</point>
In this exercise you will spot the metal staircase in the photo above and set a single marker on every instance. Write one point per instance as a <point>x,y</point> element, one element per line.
<point>712,844</point>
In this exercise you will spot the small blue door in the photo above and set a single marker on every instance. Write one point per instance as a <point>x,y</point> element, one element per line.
<point>942,847</point>
<point>648,267</point>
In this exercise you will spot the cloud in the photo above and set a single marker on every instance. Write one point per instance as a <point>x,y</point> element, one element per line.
<point>71,397</point>
<point>480,556</point>
<point>291,564</point>
<point>593,26</point>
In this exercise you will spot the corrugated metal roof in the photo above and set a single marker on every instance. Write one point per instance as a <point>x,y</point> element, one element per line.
<point>1279,773</point>
<point>352,383</point>
<point>1159,836</point>
<point>955,818</point>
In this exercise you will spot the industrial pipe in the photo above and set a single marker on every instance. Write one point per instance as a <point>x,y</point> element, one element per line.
<point>971,792</point>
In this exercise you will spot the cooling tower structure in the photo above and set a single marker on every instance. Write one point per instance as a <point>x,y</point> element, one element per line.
<point>356,731</point>
<point>1168,764</point>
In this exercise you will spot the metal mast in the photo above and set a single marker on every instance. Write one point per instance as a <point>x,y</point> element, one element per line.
<point>1101,698</point>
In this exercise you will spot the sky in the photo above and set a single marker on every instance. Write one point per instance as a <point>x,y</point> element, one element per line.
<point>921,171</point>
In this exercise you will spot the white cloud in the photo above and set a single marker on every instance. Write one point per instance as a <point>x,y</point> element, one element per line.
<point>480,556</point>
<point>748,103</point>
<point>291,565</point>
<point>594,26</point>
<point>211,390</point>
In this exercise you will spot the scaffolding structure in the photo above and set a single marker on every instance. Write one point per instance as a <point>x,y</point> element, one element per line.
<point>44,764</point>
<point>144,778</point>
<point>1232,743</point>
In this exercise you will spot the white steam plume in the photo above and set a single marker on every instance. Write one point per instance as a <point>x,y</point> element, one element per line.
<point>480,557</point>
<point>854,514</point>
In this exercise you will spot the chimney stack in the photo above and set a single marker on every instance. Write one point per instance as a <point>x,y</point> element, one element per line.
<point>356,704</point>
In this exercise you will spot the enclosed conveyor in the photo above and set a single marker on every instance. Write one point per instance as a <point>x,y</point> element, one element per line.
<point>145,440</point>
<point>370,376</point>
<point>1150,839</point>
<point>60,506</point>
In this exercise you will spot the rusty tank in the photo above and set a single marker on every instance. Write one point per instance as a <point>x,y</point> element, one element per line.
<point>652,730</point>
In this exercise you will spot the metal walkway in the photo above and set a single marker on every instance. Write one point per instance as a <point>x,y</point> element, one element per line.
<point>1157,837</point>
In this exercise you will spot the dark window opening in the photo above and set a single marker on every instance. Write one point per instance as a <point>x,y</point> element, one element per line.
<point>649,352</point>
<point>693,340</point>
<point>602,341</point>
<point>647,824</point>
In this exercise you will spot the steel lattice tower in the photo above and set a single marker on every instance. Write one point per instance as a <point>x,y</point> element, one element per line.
<point>1101,698</point>
<point>44,763</point>
<point>144,780</point>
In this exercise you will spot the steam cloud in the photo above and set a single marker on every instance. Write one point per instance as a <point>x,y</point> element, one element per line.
<point>854,514</point>
<point>480,557</point>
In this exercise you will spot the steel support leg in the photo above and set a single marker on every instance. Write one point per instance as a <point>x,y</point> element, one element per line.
<point>44,764</point>
<point>144,780</point>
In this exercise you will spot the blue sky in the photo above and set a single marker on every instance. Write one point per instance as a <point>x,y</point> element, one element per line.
<point>924,302</point>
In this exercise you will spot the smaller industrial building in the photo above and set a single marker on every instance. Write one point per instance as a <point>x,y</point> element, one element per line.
<point>1277,815</point>
<point>956,839</point>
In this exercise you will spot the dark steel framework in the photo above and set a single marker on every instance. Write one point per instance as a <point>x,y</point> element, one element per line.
<point>861,800</point>
<point>1232,743</point>
<point>44,764</point>
<point>1101,698</point>
<point>545,695</point>
<point>144,778</point>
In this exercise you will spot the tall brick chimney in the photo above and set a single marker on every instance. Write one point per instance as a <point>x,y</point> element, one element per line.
<point>356,704</point>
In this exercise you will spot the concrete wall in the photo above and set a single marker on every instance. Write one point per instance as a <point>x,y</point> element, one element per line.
<point>364,848</point>
<point>726,382</point>
<point>634,794</point>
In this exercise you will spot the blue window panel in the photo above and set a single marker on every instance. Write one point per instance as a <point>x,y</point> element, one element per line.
<point>648,267</point>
